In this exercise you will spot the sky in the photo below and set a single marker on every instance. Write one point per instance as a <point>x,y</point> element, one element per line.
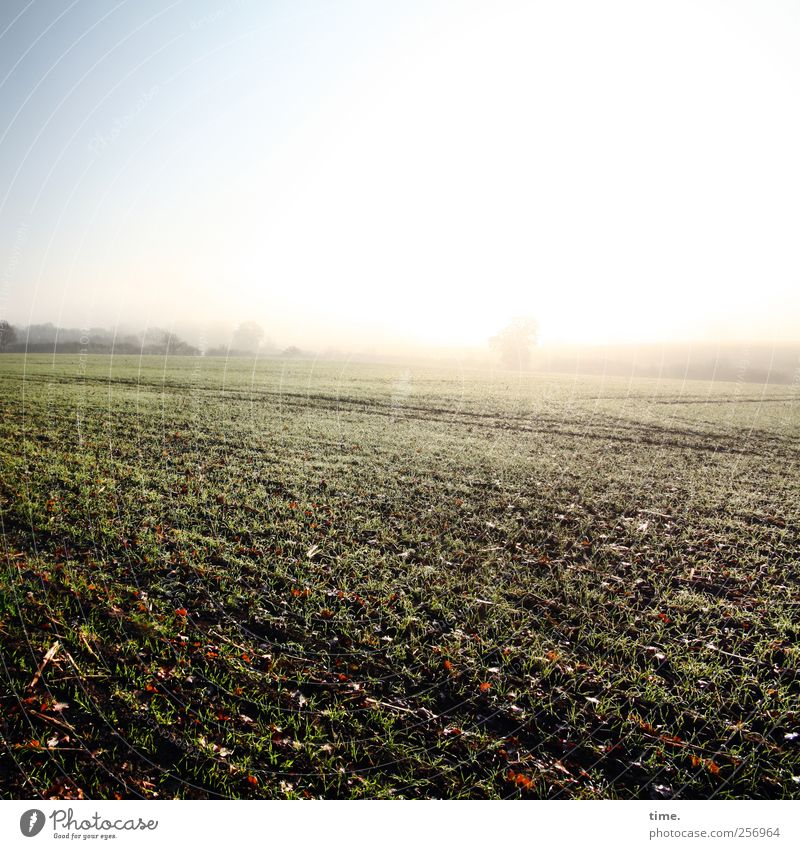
<point>377,175</point>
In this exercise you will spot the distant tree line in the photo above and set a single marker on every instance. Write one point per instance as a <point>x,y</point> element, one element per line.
<point>757,363</point>
<point>47,338</point>
<point>247,340</point>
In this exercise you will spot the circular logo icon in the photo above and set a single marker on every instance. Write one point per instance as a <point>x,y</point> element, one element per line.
<point>31,822</point>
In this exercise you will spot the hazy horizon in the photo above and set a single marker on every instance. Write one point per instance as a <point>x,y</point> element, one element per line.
<point>370,177</point>
<point>219,334</point>
<point>742,361</point>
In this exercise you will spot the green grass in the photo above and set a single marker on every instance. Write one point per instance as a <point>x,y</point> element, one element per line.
<point>302,579</point>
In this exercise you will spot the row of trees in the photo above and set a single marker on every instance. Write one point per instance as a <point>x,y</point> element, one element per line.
<point>47,338</point>
<point>247,340</point>
<point>513,344</point>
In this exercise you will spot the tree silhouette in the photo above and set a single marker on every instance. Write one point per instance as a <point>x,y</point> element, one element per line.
<point>248,337</point>
<point>514,343</point>
<point>8,335</point>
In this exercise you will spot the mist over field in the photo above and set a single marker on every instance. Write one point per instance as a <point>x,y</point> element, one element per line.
<point>743,362</point>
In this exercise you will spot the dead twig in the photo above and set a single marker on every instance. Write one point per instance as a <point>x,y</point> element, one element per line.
<point>51,653</point>
<point>51,719</point>
<point>730,654</point>
<point>91,651</point>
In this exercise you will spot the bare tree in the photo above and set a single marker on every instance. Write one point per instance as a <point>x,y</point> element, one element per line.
<point>155,340</point>
<point>514,343</point>
<point>248,337</point>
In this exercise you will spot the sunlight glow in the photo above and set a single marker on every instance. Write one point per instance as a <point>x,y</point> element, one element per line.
<point>625,172</point>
